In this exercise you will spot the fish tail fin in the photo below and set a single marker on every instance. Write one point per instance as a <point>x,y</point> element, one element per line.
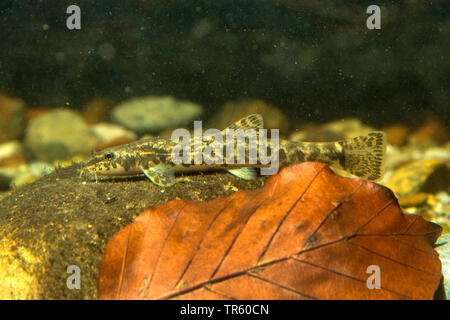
<point>364,156</point>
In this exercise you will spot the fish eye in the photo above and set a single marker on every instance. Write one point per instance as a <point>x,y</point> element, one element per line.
<point>109,155</point>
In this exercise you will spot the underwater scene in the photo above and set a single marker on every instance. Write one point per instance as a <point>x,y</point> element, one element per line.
<point>209,150</point>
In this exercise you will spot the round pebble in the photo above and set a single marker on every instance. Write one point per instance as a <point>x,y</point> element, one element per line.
<point>60,134</point>
<point>155,113</point>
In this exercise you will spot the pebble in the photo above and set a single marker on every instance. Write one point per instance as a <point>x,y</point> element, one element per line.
<point>149,136</point>
<point>96,110</point>
<point>107,132</point>
<point>33,113</point>
<point>397,135</point>
<point>435,153</point>
<point>59,134</point>
<point>11,154</point>
<point>112,143</point>
<point>155,113</point>
<point>316,134</point>
<point>12,118</point>
<point>332,131</point>
<point>396,156</point>
<point>5,182</point>
<point>444,256</point>
<point>31,172</point>
<point>424,175</point>
<point>440,208</point>
<point>430,132</point>
<point>414,200</point>
<point>348,127</point>
<point>39,168</point>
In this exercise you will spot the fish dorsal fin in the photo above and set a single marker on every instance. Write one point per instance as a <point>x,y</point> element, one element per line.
<point>253,121</point>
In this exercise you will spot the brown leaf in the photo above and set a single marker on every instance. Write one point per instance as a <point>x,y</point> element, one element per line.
<point>307,234</point>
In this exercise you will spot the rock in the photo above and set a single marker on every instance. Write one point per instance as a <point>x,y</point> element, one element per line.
<point>39,168</point>
<point>425,175</point>
<point>148,136</point>
<point>58,221</point>
<point>348,127</point>
<point>18,176</point>
<point>332,131</point>
<point>432,131</point>
<point>316,134</point>
<point>107,132</point>
<point>5,182</point>
<point>12,118</point>
<point>11,154</point>
<point>96,110</point>
<point>163,133</point>
<point>232,111</point>
<point>60,134</point>
<point>397,135</point>
<point>112,143</point>
<point>435,153</point>
<point>398,156</point>
<point>111,135</point>
<point>395,157</point>
<point>33,113</point>
<point>414,200</point>
<point>444,256</point>
<point>12,163</point>
<point>440,209</point>
<point>9,172</point>
<point>155,113</point>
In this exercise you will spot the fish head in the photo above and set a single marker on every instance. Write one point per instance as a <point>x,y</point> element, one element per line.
<point>109,163</point>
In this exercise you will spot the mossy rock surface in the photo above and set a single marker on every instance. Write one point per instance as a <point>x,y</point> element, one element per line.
<point>59,220</point>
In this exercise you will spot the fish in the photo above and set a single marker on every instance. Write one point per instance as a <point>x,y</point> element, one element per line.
<point>362,156</point>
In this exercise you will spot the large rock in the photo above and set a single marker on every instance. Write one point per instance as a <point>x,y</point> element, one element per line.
<point>59,221</point>
<point>60,134</point>
<point>155,113</point>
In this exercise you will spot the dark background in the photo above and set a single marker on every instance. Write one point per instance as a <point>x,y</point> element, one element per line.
<point>316,60</point>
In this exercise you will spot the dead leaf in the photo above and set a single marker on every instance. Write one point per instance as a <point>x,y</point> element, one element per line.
<point>307,234</point>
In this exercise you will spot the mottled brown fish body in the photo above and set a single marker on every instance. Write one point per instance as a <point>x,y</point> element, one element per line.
<point>362,156</point>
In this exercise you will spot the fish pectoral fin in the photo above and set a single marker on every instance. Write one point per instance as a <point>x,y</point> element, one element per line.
<point>162,176</point>
<point>245,173</point>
